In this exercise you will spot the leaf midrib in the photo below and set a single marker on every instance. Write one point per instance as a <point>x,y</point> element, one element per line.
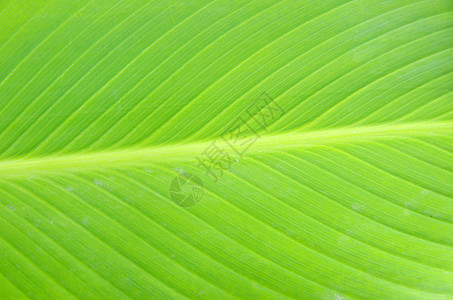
<point>186,152</point>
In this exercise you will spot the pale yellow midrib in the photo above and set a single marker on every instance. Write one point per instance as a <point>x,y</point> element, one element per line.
<point>189,151</point>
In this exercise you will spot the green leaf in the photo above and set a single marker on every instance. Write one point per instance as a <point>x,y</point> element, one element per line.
<point>226,149</point>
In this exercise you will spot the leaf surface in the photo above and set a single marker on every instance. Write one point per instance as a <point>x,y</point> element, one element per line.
<point>122,174</point>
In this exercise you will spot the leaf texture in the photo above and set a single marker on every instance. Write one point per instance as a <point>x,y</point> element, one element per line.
<point>107,108</point>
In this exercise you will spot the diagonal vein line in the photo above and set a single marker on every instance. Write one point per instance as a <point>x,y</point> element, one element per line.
<point>120,72</point>
<point>57,288</point>
<point>443,115</point>
<point>35,212</point>
<point>166,80</point>
<point>352,171</point>
<point>358,109</point>
<point>283,235</point>
<point>444,75</point>
<point>244,61</point>
<point>412,147</point>
<point>35,265</point>
<point>393,254</point>
<point>48,254</point>
<point>424,106</point>
<point>135,210</point>
<point>23,26</point>
<point>385,171</point>
<point>26,191</point>
<point>444,193</point>
<point>20,28</point>
<point>335,201</point>
<point>42,42</point>
<point>364,189</point>
<point>407,155</point>
<point>294,59</point>
<point>5,8</point>
<point>432,145</point>
<point>18,288</point>
<point>246,247</point>
<point>129,231</point>
<point>143,80</point>
<point>364,242</point>
<point>33,195</point>
<point>78,81</point>
<point>306,247</point>
<point>378,57</point>
<point>330,62</point>
<point>344,100</point>
<point>325,196</point>
<point>140,184</point>
<point>49,62</point>
<point>217,230</point>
